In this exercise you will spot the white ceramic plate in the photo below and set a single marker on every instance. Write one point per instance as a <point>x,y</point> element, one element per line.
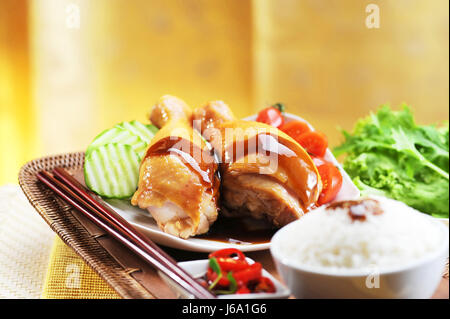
<point>145,223</point>
<point>197,269</point>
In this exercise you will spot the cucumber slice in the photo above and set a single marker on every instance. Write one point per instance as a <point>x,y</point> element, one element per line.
<point>144,131</point>
<point>121,136</point>
<point>112,170</point>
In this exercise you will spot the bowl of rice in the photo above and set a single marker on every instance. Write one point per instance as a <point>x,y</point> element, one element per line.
<point>371,247</point>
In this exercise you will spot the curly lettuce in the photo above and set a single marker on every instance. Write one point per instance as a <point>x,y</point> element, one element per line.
<point>388,154</point>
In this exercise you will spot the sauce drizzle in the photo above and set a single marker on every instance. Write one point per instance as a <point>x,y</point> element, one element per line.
<point>240,231</point>
<point>358,209</point>
<point>201,161</point>
<point>301,176</point>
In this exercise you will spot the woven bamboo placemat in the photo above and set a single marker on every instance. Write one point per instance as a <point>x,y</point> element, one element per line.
<point>128,275</point>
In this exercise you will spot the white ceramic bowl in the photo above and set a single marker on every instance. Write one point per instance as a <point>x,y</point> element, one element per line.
<point>414,280</point>
<point>198,268</point>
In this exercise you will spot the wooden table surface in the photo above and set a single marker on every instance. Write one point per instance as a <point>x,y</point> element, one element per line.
<point>266,260</point>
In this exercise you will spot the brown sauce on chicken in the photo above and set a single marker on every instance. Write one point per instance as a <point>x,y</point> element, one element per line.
<point>293,170</point>
<point>201,161</point>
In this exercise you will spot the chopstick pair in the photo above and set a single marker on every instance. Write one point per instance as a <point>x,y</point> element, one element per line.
<point>68,188</point>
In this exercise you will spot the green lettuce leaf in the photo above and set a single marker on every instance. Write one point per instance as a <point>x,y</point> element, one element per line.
<point>389,154</point>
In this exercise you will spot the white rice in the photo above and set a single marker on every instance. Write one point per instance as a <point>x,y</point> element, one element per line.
<point>331,239</point>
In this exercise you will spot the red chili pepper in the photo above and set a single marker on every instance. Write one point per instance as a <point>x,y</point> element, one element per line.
<point>264,285</point>
<point>212,276</point>
<point>252,272</point>
<point>231,264</point>
<point>228,252</point>
<point>243,290</point>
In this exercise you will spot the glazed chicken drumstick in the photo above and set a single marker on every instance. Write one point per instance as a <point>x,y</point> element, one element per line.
<point>178,184</point>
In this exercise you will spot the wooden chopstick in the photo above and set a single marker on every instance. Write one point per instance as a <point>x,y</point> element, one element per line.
<point>151,253</point>
<point>95,201</point>
<point>130,231</point>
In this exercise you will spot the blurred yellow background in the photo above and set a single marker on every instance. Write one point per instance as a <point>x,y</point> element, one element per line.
<point>71,68</point>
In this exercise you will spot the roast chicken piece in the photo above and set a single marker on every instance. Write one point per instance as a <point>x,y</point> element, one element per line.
<point>211,115</point>
<point>169,108</point>
<point>178,183</point>
<point>264,172</point>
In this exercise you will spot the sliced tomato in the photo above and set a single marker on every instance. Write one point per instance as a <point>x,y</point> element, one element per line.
<point>271,116</point>
<point>315,143</point>
<point>295,128</point>
<point>331,182</point>
<point>243,290</point>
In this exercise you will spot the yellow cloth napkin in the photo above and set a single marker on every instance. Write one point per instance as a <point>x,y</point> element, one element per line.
<point>69,277</point>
